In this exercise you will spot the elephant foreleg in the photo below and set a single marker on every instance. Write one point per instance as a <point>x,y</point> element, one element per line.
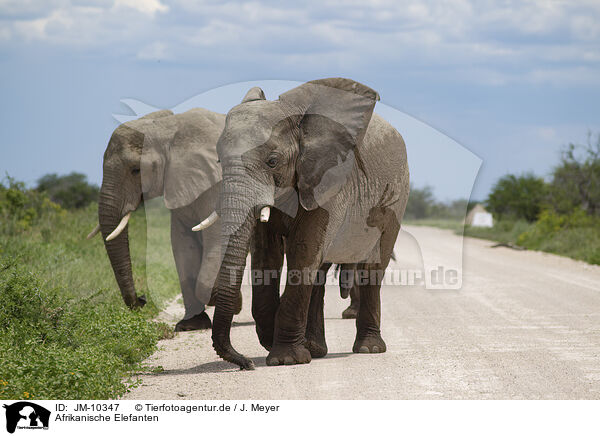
<point>304,257</point>
<point>187,251</point>
<point>267,251</point>
<point>315,325</point>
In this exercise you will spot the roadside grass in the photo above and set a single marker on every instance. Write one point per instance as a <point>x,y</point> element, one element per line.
<point>442,223</point>
<point>64,330</point>
<point>504,231</point>
<point>576,235</point>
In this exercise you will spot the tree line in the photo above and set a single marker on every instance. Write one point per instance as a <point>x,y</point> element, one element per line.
<point>572,186</point>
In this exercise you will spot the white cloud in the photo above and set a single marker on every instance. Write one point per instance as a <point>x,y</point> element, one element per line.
<point>20,8</point>
<point>488,41</point>
<point>149,7</point>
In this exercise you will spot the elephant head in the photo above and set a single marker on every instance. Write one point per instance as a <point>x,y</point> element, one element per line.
<point>299,149</point>
<point>158,154</point>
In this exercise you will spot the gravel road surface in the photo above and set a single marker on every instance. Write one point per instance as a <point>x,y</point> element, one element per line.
<point>525,325</point>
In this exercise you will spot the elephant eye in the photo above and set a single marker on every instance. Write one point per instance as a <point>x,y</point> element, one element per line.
<point>272,161</point>
<point>135,171</point>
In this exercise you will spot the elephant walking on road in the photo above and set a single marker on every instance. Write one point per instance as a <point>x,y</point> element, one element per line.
<point>162,154</point>
<point>318,173</point>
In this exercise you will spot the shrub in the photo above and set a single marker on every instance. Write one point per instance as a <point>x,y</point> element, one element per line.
<point>517,197</point>
<point>53,347</point>
<point>576,180</point>
<point>71,191</point>
<point>64,330</point>
<point>505,231</point>
<point>419,202</point>
<point>422,204</point>
<point>576,235</point>
<point>20,207</point>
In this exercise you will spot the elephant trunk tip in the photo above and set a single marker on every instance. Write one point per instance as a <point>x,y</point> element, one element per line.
<point>227,353</point>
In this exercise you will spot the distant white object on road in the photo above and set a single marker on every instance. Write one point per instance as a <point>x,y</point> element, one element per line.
<point>479,217</point>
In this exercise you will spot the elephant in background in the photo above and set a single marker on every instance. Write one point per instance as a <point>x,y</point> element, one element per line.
<point>319,178</point>
<point>162,154</point>
<point>348,287</point>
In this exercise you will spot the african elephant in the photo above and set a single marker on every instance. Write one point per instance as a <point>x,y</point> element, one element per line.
<point>315,174</point>
<point>173,156</point>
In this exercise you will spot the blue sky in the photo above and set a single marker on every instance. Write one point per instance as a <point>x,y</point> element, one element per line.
<point>510,81</point>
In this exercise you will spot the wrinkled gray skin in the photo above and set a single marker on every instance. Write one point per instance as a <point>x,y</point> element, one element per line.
<point>336,178</point>
<point>174,156</point>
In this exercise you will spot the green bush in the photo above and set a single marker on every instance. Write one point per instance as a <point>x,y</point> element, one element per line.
<point>576,180</point>
<point>517,197</point>
<point>419,203</point>
<point>422,205</point>
<point>576,235</point>
<point>54,347</point>
<point>64,330</point>
<point>21,208</point>
<point>71,191</point>
<point>561,217</point>
<point>505,231</point>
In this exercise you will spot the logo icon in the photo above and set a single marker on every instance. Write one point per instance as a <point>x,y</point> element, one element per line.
<point>26,415</point>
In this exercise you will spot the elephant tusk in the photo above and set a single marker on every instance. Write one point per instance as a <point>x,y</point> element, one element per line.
<point>212,218</point>
<point>93,232</point>
<point>116,232</point>
<point>265,212</point>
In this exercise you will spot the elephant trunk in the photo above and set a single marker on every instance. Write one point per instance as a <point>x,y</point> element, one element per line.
<point>110,214</point>
<point>239,207</point>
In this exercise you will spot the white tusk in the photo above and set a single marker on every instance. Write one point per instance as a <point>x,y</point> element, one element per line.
<point>93,232</point>
<point>116,232</point>
<point>212,218</point>
<point>265,212</point>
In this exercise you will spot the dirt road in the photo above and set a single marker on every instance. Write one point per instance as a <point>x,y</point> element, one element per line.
<point>525,325</point>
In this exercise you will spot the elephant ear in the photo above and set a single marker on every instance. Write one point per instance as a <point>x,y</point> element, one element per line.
<point>157,130</point>
<point>335,115</point>
<point>192,162</point>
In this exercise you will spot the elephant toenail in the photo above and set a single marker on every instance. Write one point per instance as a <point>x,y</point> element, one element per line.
<point>375,349</point>
<point>288,360</point>
<point>363,349</point>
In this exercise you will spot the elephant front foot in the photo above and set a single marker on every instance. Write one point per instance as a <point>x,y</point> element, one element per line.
<point>351,312</point>
<point>316,346</point>
<point>198,322</point>
<point>288,355</point>
<point>369,344</point>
